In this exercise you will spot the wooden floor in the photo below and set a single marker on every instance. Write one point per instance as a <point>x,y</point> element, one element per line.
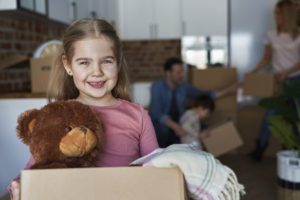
<point>259,178</point>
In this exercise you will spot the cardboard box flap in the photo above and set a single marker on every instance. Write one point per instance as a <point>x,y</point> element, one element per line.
<point>223,138</point>
<point>12,60</point>
<point>126,183</point>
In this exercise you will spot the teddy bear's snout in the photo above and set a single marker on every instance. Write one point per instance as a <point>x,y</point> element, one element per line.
<point>78,142</point>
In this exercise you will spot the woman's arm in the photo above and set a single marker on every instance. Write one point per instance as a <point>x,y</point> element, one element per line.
<point>265,59</point>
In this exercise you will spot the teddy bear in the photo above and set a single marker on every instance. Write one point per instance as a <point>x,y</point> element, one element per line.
<point>62,134</point>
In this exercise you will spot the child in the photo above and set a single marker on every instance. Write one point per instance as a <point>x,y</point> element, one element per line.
<point>191,119</point>
<point>91,69</point>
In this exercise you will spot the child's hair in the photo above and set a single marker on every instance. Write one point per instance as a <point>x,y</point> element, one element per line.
<point>288,10</point>
<point>61,85</point>
<point>204,101</point>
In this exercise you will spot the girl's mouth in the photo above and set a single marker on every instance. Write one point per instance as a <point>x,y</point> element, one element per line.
<point>96,84</point>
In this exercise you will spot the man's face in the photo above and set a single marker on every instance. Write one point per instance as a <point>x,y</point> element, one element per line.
<point>176,74</point>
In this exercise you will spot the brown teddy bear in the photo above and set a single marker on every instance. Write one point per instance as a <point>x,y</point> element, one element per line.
<point>62,134</point>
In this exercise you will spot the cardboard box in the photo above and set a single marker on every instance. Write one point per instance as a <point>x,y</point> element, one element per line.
<point>126,183</point>
<point>40,71</point>
<point>221,117</point>
<point>215,79</point>
<point>249,123</point>
<point>222,139</point>
<point>260,85</point>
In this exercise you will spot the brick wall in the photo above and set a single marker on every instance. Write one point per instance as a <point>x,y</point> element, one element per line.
<point>22,35</point>
<point>145,59</point>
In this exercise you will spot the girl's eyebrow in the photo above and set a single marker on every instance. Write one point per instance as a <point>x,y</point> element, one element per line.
<point>79,59</point>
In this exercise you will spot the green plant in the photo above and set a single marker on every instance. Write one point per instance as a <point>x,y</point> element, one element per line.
<point>284,123</point>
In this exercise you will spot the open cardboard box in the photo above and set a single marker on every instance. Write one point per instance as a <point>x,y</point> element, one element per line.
<point>115,183</point>
<point>260,84</point>
<point>222,139</point>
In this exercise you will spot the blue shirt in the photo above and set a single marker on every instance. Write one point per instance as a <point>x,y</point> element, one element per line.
<point>161,97</point>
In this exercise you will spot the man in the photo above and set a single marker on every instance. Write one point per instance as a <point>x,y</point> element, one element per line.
<point>168,100</point>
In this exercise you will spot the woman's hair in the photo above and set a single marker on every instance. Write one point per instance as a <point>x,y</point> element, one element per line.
<point>288,10</point>
<point>61,85</point>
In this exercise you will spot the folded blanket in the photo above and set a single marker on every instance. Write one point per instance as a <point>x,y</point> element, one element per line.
<point>206,177</point>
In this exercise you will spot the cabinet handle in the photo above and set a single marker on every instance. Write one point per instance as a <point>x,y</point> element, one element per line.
<point>74,10</point>
<point>156,31</point>
<point>183,28</point>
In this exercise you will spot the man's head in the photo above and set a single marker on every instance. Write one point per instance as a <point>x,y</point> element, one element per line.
<point>174,71</point>
<point>204,106</point>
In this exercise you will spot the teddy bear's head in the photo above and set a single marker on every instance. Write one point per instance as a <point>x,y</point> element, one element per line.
<point>62,134</point>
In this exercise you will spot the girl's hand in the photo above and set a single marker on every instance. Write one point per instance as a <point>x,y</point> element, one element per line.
<point>281,76</point>
<point>15,190</point>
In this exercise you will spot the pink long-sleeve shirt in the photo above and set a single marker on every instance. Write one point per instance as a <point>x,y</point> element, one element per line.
<point>129,134</point>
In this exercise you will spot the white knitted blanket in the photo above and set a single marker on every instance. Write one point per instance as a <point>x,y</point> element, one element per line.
<point>206,177</point>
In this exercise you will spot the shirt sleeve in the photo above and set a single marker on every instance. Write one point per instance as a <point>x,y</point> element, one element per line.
<point>157,106</point>
<point>187,121</point>
<point>148,141</point>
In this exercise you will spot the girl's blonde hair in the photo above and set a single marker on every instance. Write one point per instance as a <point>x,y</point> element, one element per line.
<point>61,85</point>
<point>288,10</point>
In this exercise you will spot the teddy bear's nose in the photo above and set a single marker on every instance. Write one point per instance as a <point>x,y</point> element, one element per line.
<point>83,129</point>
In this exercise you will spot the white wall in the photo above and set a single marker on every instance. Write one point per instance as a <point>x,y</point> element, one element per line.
<point>13,153</point>
<point>250,20</point>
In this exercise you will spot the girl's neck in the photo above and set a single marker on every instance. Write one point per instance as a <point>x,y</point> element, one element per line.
<point>104,101</point>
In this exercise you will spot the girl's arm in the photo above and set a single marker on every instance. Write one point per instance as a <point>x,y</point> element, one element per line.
<point>14,186</point>
<point>148,141</point>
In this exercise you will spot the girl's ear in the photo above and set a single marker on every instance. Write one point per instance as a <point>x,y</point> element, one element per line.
<point>66,64</point>
<point>26,123</point>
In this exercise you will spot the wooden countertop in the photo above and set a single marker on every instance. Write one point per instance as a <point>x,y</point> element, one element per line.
<point>22,95</point>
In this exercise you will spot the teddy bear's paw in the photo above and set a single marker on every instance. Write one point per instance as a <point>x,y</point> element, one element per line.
<point>78,142</point>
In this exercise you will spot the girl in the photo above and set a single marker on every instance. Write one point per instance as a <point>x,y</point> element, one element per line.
<point>282,51</point>
<point>91,69</point>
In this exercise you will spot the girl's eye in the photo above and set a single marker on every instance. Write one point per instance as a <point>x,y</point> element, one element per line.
<point>83,63</point>
<point>108,61</point>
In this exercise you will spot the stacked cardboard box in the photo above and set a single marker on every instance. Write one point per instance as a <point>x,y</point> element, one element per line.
<point>215,79</point>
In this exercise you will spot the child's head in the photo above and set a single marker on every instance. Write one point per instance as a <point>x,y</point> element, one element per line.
<point>204,105</point>
<point>91,63</point>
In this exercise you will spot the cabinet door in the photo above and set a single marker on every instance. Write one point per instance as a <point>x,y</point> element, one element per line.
<point>204,17</point>
<point>83,9</point>
<point>136,19</point>
<point>60,10</point>
<point>167,19</point>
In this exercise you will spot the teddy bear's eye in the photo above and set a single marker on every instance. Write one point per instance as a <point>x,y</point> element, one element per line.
<point>67,129</point>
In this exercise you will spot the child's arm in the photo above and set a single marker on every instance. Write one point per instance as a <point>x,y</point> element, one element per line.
<point>148,141</point>
<point>14,187</point>
<point>188,122</point>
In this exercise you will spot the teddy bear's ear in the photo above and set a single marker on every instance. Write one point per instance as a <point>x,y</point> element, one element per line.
<point>26,123</point>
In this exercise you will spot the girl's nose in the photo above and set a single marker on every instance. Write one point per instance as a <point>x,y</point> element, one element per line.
<point>97,70</point>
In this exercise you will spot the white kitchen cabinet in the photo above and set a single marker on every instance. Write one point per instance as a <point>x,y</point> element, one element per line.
<point>204,17</point>
<point>149,19</point>
<point>61,10</point>
<point>36,6</point>
<point>91,8</point>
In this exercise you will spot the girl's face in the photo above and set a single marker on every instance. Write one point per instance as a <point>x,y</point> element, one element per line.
<point>94,70</point>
